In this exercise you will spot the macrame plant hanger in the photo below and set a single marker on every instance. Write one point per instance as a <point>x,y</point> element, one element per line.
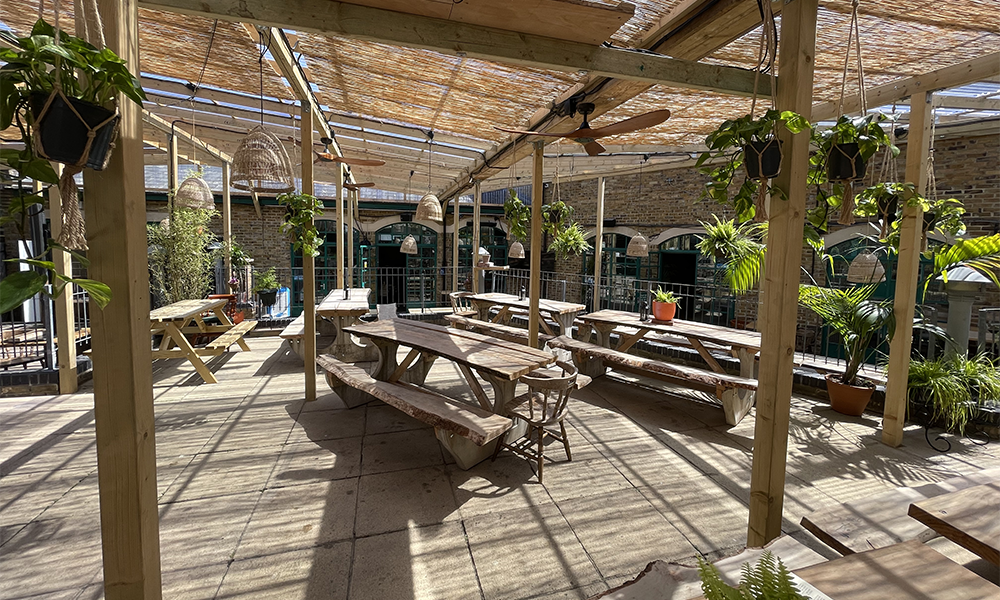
<point>765,63</point>
<point>516,249</point>
<point>847,204</point>
<point>73,234</point>
<point>889,173</point>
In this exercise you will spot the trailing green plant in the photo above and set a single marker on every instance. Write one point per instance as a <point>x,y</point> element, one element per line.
<point>728,142</point>
<point>866,131</point>
<point>181,267</point>
<point>741,246</point>
<point>665,296</point>
<point>265,281</point>
<point>300,221</point>
<point>518,216</point>
<point>854,316</point>
<point>569,241</point>
<point>955,387</point>
<point>769,579</point>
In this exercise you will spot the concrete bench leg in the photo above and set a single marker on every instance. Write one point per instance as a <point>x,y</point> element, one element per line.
<point>591,367</point>
<point>351,396</point>
<point>467,454</point>
<point>736,403</point>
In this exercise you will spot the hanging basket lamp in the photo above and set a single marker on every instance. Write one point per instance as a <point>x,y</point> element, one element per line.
<point>638,246</point>
<point>866,268</point>
<point>516,250</point>
<point>409,245</point>
<point>261,164</point>
<point>194,193</point>
<point>429,209</point>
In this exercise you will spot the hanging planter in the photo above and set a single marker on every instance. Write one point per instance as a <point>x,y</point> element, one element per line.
<point>72,131</point>
<point>762,159</point>
<point>845,162</point>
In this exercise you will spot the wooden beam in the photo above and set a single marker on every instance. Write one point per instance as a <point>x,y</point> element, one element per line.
<point>227,218</point>
<point>535,273</point>
<point>172,174</point>
<point>477,207</point>
<point>598,243</point>
<point>123,387</point>
<point>308,263</point>
<point>970,71</point>
<point>351,205</point>
<point>456,214</point>
<point>341,197</point>
<point>784,255</point>
<point>965,103</point>
<point>63,305</point>
<point>163,125</point>
<point>918,142</point>
<point>366,23</point>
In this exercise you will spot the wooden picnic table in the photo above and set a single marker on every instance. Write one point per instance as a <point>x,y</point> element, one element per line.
<point>339,312</point>
<point>968,517</point>
<point>497,361</point>
<point>174,321</point>
<point>563,313</point>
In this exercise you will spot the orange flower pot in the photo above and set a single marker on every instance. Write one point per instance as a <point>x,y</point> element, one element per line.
<point>664,311</point>
<point>848,399</point>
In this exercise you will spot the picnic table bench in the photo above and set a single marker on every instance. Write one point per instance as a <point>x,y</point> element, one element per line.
<point>497,330</point>
<point>562,313</point>
<point>174,323</point>
<point>333,313</point>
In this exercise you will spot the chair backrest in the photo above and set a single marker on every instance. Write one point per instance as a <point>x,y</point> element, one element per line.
<point>550,390</point>
<point>460,303</point>
<point>386,311</point>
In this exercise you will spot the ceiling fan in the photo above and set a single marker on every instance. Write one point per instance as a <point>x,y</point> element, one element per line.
<point>330,157</point>
<point>356,186</point>
<point>588,137</point>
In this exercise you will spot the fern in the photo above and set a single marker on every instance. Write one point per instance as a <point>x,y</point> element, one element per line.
<point>769,579</point>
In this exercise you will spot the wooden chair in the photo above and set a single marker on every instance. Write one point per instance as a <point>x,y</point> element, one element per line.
<point>542,408</point>
<point>461,305</point>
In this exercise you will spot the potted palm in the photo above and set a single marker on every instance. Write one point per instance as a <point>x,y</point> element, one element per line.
<point>856,318</point>
<point>664,305</point>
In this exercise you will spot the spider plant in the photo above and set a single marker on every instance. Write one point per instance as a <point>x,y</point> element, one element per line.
<point>955,387</point>
<point>741,246</point>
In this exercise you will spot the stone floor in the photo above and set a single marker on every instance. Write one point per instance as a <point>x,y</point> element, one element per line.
<point>264,496</point>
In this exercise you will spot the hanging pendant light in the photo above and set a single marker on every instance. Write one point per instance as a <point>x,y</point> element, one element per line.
<point>866,268</point>
<point>429,207</point>
<point>194,193</point>
<point>638,246</point>
<point>409,245</point>
<point>516,250</point>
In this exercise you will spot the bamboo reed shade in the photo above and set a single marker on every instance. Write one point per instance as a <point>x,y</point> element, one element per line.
<point>261,164</point>
<point>194,193</point>
<point>429,209</point>
<point>409,245</point>
<point>516,250</point>
<point>866,268</point>
<point>638,246</point>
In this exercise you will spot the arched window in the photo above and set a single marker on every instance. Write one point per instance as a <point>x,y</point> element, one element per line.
<point>492,237</point>
<point>409,279</point>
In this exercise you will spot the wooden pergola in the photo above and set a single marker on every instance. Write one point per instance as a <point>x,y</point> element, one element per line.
<point>550,51</point>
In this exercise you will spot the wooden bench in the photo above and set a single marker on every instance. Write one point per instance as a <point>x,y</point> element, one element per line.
<point>232,336</point>
<point>882,520</point>
<point>725,387</point>
<point>476,424</point>
<point>293,333</point>
<point>503,332</point>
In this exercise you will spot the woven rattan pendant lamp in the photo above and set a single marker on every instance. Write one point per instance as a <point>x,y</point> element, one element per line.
<point>638,246</point>
<point>194,193</point>
<point>409,245</point>
<point>429,207</point>
<point>516,250</point>
<point>261,163</point>
<point>866,268</point>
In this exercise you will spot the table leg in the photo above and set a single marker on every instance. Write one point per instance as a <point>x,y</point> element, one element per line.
<point>566,323</point>
<point>185,346</point>
<point>482,309</point>
<point>344,347</point>
<point>467,454</point>
<point>604,333</point>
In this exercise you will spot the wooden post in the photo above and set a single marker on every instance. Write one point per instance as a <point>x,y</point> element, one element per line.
<point>598,243</point>
<point>227,219</point>
<point>476,208</point>
<point>784,256</point>
<point>308,262</point>
<point>172,169</point>
<point>63,305</point>
<point>535,277</point>
<point>123,387</point>
<point>918,142</point>
<point>454,245</point>
<point>354,198</point>
<point>340,224</point>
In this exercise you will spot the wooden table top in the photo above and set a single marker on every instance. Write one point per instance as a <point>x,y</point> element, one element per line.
<point>969,517</point>
<point>725,336</point>
<point>552,306</point>
<point>904,571</point>
<point>503,359</point>
<point>334,304</point>
<point>185,309</point>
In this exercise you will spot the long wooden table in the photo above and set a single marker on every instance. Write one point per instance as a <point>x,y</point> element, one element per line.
<point>497,361</point>
<point>341,310</point>
<point>969,517</point>
<point>563,313</point>
<point>175,320</point>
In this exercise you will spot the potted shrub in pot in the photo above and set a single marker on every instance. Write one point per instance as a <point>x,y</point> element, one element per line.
<point>266,287</point>
<point>664,305</point>
<point>951,390</point>
<point>856,318</point>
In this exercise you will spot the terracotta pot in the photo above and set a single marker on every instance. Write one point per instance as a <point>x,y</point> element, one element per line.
<point>664,311</point>
<point>847,399</point>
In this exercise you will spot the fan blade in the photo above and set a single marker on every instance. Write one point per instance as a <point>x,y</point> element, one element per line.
<point>593,148</point>
<point>324,156</point>
<point>357,186</point>
<point>536,132</point>
<point>360,162</point>
<point>636,123</point>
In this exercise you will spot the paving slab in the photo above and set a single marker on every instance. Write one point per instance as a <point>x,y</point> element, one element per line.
<point>320,573</point>
<point>400,450</point>
<point>223,473</point>
<point>203,532</point>
<point>404,499</point>
<point>307,462</point>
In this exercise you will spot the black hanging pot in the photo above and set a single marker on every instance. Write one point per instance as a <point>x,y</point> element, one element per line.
<point>930,220</point>
<point>62,136</point>
<point>762,160</point>
<point>845,162</point>
<point>267,297</point>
